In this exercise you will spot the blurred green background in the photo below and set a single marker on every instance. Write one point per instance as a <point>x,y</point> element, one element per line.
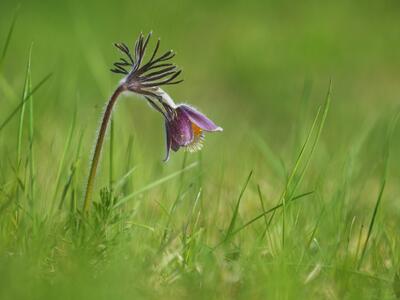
<point>259,69</point>
<point>243,61</point>
<point>253,67</point>
<point>246,62</point>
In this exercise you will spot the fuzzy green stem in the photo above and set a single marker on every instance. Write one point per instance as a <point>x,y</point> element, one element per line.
<point>99,145</point>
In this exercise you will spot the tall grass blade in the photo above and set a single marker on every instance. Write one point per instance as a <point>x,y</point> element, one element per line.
<point>236,210</point>
<point>303,109</point>
<point>297,163</point>
<point>260,197</point>
<point>74,184</point>
<point>67,146</point>
<point>15,111</point>
<point>31,150</point>
<point>123,179</point>
<point>72,176</point>
<point>130,162</point>
<point>289,189</point>
<point>68,184</point>
<point>25,93</point>
<point>8,39</point>
<point>386,157</point>
<point>154,184</point>
<point>271,210</point>
<point>175,203</point>
<point>262,215</point>
<point>315,143</point>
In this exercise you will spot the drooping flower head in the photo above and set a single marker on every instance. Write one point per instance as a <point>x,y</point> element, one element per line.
<point>184,125</point>
<point>186,129</point>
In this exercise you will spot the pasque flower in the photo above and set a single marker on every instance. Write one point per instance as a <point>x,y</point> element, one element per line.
<point>185,126</point>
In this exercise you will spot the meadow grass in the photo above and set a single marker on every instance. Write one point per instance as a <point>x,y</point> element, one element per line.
<point>296,199</point>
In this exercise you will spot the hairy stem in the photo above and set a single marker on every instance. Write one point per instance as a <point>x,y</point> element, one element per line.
<point>99,145</point>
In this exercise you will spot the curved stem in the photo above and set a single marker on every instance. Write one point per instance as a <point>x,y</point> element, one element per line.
<point>99,145</point>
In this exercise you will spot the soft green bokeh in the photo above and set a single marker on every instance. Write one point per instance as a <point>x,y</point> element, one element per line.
<point>259,69</point>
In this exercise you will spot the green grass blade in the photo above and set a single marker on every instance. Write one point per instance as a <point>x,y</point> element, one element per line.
<point>303,108</point>
<point>262,215</point>
<point>371,224</point>
<point>72,176</point>
<point>74,184</point>
<point>68,185</point>
<point>315,143</point>
<point>15,111</point>
<point>127,185</point>
<point>298,160</point>
<point>25,93</point>
<point>123,179</point>
<point>282,198</point>
<point>178,197</point>
<point>31,150</point>
<point>289,190</point>
<point>8,39</point>
<point>67,146</point>
<point>154,184</point>
<point>236,210</point>
<point>260,197</point>
<point>386,157</point>
<point>271,210</point>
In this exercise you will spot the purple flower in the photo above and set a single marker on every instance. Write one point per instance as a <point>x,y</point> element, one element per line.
<point>185,129</point>
<point>185,126</point>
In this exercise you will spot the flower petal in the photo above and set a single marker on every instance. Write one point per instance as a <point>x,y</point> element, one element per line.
<point>199,119</point>
<point>175,146</point>
<point>180,129</point>
<point>167,98</point>
<point>167,142</point>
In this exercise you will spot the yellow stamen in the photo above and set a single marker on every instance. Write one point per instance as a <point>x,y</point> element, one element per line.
<point>196,130</point>
<point>198,138</point>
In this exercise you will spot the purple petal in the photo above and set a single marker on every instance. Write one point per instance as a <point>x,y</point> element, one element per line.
<point>175,146</point>
<point>167,142</point>
<point>199,119</point>
<point>180,129</point>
